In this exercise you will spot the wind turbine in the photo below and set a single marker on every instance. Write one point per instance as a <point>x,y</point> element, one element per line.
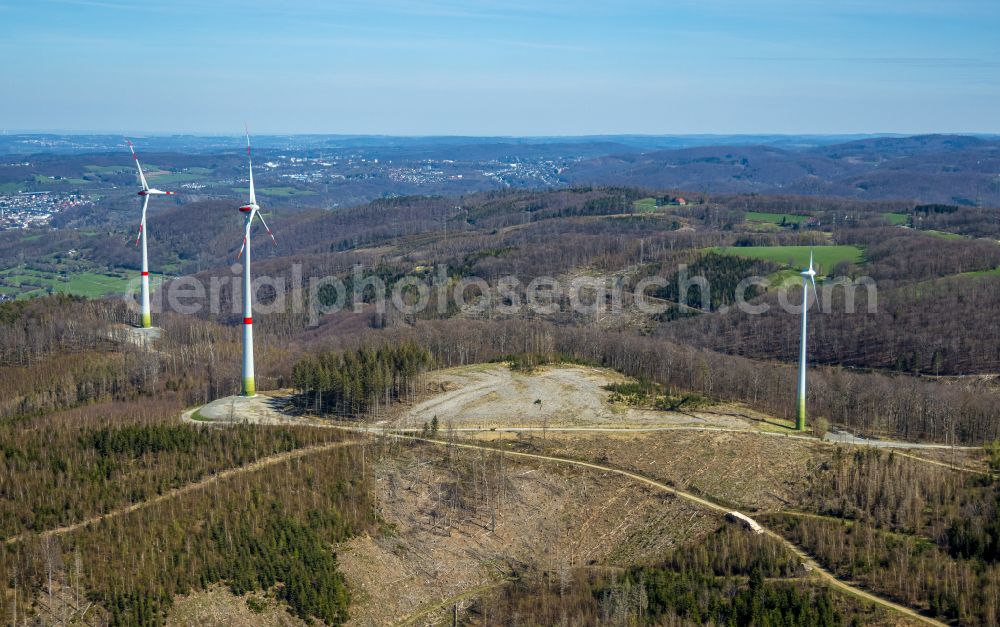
<point>145,192</point>
<point>250,210</point>
<point>808,276</point>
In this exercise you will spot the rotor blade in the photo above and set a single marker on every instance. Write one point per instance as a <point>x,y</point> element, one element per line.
<point>145,203</point>
<point>253,196</point>
<point>259,215</point>
<point>135,157</point>
<point>246,235</point>
<point>815,291</point>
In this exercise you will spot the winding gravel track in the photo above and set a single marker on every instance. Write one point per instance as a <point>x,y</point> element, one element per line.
<point>263,462</point>
<point>809,562</point>
<point>813,566</point>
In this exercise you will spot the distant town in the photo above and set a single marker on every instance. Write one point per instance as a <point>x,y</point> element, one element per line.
<point>23,210</point>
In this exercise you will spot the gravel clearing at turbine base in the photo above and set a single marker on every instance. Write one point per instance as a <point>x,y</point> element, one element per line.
<point>491,395</point>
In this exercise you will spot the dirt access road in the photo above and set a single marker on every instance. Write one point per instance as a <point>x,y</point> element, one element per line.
<point>490,396</point>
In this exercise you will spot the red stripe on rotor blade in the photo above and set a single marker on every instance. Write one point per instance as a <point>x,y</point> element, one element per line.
<point>247,320</point>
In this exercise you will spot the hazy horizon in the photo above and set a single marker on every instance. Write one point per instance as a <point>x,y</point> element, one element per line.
<point>581,136</point>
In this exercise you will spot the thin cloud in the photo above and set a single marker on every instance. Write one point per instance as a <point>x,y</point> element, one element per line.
<point>922,62</point>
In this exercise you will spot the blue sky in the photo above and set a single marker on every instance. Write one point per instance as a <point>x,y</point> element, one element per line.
<point>486,67</point>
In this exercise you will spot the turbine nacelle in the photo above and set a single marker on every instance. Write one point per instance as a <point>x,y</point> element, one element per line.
<point>252,209</point>
<point>155,192</point>
<point>809,274</point>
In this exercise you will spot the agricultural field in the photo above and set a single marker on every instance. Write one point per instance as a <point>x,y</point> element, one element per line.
<point>283,191</point>
<point>897,219</point>
<point>25,282</point>
<point>107,169</point>
<point>93,284</point>
<point>47,180</point>
<point>943,234</point>
<point>645,205</point>
<point>164,177</point>
<point>280,191</point>
<point>826,257</point>
<point>776,218</point>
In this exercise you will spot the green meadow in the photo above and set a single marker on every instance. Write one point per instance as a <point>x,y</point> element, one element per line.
<point>993,272</point>
<point>276,191</point>
<point>826,257</point>
<point>106,169</point>
<point>644,205</point>
<point>29,282</point>
<point>943,234</point>
<point>173,178</point>
<point>93,284</point>
<point>283,191</point>
<point>775,218</point>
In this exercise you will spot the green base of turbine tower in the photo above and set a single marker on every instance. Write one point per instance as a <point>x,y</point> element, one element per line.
<point>800,420</point>
<point>249,388</point>
<point>147,321</point>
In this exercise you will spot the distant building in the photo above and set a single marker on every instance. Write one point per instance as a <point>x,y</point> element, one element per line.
<point>681,201</point>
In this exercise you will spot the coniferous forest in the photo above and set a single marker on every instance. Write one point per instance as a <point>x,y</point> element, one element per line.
<point>360,383</point>
<point>115,510</point>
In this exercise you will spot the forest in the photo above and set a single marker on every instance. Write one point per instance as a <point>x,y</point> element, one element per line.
<point>918,533</point>
<point>753,585</point>
<point>261,532</point>
<point>870,402</point>
<point>359,383</point>
<point>109,502</point>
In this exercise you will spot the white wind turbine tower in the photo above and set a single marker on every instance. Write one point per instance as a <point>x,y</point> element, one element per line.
<point>249,211</point>
<point>145,192</point>
<point>808,276</point>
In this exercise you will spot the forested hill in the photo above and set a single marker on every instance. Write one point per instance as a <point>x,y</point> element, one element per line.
<point>150,515</point>
<point>933,268</point>
<point>946,169</point>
